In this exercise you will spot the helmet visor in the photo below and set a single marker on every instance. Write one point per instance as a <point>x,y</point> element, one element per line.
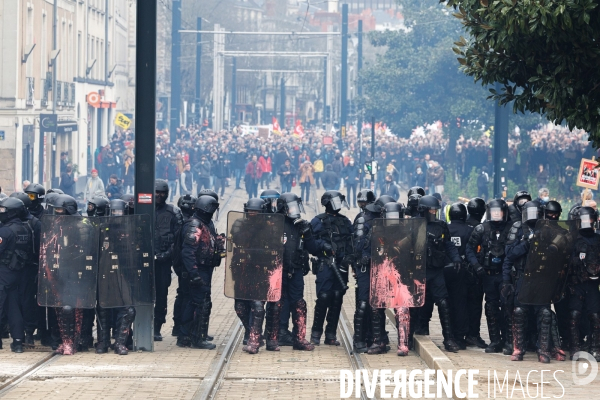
<point>294,209</point>
<point>522,201</point>
<point>392,215</point>
<point>117,213</point>
<point>58,211</point>
<point>586,222</point>
<point>530,214</point>
<point>496,214</point>
<point>32,196</point>
<point>338,202</point>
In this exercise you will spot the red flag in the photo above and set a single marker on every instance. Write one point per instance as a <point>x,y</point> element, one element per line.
<point>298,130</point>
<point>276,128</point>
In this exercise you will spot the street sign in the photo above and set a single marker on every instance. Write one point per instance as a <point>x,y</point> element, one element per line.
<point>122,121</point>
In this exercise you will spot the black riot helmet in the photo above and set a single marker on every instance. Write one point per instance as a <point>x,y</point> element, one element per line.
<point>333,201</point>
<point>521,197</point>
<point>416,190</point>
<point>365,197</point>
<point>379,204</point>
<point>10,208</point>
<point>290,205</point>
<point>552,210</point>
<point>587,218</point>
<point>161,190</point>
<point>118,208</point>
<point>457,212</point>
<point>393,210</point>
<point>98,206</point>
<point>412,205</point>
<point>497,211</point>
<point>24,197</point>
<point>476,208</point>
<point>205,207</point>
<point>270,197</point>
<point>130,200</point>
<point>50,200</point>
<point>208,192</point>
<point>255,205</point>
<point>54,190</point>
<point>63,204</point>
<point>186,204</point>
<point>531,213</point>
<point>36,193</point>
<point>429,206</point>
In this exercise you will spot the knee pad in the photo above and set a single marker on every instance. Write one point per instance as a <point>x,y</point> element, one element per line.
<point>574,317</point>
<point>323,298</point>
<point>130,312</point>
<point>546,316</point>
<point>519,314</point>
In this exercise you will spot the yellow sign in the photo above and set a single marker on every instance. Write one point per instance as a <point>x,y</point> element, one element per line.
<point>122,121</point>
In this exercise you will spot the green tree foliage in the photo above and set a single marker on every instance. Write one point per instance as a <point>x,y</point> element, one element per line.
<point>545,54</point>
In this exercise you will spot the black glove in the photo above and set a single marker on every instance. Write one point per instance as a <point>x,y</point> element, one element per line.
<point>348,259</point>
<point>196,280</point>
<point>479,270</point>
<point>365,260</point>
<point>160,257</point>
<point>327,250</point>
<point>302,225</point>
<point>506,290</point>
<point>457,265</point>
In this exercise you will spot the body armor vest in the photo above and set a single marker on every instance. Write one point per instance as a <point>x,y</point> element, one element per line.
<point>294,255</point>
<point>16,258</point>
<point>337,230</point>
<point>588,255</point>
<point>436,250</point>
<point>493,246</point>
<point>163,237</point>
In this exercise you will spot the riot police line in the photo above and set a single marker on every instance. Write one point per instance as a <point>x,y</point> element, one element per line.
<point>521,257</point>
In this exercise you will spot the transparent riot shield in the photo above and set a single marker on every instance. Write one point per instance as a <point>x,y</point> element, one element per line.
<point>254,264</point>
<point>125,276</point>
<point>398,251</point>
<point>546,269</point>
<point>68,267</point>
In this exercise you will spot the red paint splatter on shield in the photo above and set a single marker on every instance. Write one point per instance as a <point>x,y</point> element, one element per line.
<point>275,281</point>
<point>387,289</point>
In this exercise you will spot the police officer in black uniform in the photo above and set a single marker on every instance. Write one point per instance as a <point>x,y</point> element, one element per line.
<point>332,243</point>
<point>516,208</point>
<point>252,312</point>
<point>364,197</point>
<point>37,194</point>
<point>363,314</point>
<point>27,285</point>
<point>583,286</point>
<point>295,266</point>
<point>168,220</point>
<point>440,252</point>
<point>490,237</point>
<point>15,253</point>
<point>476,208</point>
<point>198,252</point>
<point>456,280</point>
<point>186,204</point>
<point>412,206</point>
<point>130,200</point>
<point>517,249</point>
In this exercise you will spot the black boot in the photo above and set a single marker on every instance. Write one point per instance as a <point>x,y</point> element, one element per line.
<point>272,325</point>
<point>209,308</point>
<point>16,346</point>
<point>595,345</point>
<point>299,320</point>
<point>544,320</point>
<point>242,309</point>
<point>508,335</point>
<point>444,313</point>
<point>575,344</point>
<point>519,333</point>
<point>124,321</point>
<point>258,316</point>
<point>66,325</point>
<point>29,342</point>
<point>403,326</point>
<point>199,329</point>
<point>362,308</point>
<point>285,338</point>
<point>103,331</point>
<point>157,336</point>
<point>321,305</point>
<point>5,331</point>
<point>423,317</point>
<point>556,347</point>
<point>378,347</point>
<point>87,326</point>
<point>333,316</point>
<point>491,314</point>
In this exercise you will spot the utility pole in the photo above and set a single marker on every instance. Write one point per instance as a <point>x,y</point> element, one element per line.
<point>54,95</point>
<point>360,92</point>
<point>500,148</point>
<point>282,111</point>
<point>233,115</point>
<point>198,68</point>
<point>325,110</point>
<point>145,142</point>
<point>344,83</point>
<point>175,70</point>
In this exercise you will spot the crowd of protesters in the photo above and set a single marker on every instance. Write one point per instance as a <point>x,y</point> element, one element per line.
<point>196,158</point>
